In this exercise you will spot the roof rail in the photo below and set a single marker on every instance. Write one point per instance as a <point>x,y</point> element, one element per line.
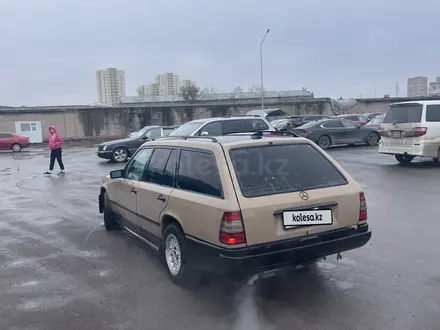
<point>213,139</point>
<point>261,133</point>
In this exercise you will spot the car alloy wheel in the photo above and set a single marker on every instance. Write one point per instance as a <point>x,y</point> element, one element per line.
<point>16,148</point>
<point>120,155</point>
<point>324,142</point>
<point>173,255</point>
<point>372,139</point>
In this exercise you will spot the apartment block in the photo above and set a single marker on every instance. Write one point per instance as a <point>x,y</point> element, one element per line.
<point>417,86</point>
<point>110,84</point>
<point>434,87</point>
<point>169,82</point>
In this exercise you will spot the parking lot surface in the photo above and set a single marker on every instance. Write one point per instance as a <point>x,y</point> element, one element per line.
<point>60,269</point>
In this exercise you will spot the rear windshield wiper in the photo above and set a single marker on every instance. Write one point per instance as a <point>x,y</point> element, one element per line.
<point>398,122</point>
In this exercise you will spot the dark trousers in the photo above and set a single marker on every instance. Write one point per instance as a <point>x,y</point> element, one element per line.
<point>56,154</point>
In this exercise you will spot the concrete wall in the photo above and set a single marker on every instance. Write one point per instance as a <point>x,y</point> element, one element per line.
<point>77,123</point>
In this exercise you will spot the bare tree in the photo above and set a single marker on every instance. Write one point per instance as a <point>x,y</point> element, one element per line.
<point>236,92</point>
<point>190,92</point>
<point>207,93</point>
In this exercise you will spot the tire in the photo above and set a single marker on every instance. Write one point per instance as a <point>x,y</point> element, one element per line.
<point>404,159</point>
<point>437,160</point>
<point>324,142</point>
<point>110,218</point>
<point>372,139</point>
<point>16,147</point>
<point>120,155</point>
<point>174,247</point>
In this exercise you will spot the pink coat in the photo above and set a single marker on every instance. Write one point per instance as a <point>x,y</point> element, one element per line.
<point>57,141</point>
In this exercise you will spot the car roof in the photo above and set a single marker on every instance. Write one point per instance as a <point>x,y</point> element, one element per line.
<point>419,102</point>
<point>247,139</point>
<point>207,120</point>
<point>7,133</point>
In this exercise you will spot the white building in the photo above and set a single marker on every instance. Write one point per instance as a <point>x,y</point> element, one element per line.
<point>110,85</point>
<point>150,90</point>
<point>169,83</point>
<point>417,86</point>
<point>434,87</point>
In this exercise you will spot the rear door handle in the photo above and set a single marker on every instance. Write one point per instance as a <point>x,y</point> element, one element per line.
<point>133,190</point>
<point>161,198</point>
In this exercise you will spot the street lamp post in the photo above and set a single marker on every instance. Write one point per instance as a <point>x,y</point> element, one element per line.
<point>261,69</point>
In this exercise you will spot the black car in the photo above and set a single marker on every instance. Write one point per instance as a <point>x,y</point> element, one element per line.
<point>330,132</point>
<point>120,150</point>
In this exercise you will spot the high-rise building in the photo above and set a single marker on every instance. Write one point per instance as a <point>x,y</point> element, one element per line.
<point>434,87</point>
<point>169,83</point>
<point>111,85</point>
<point>145,91</point>
<point>417,86</point>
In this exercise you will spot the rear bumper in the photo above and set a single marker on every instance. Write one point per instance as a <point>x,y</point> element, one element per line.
<point>420,149</point>
<point>282,254</point>
<point>105,154</point>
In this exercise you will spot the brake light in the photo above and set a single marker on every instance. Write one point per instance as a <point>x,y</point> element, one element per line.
<point>232,229</point>
<point>309,132</point>
<point>384,132</point>
<point>273,133</point>
<point>363,207</point>
<point>416,132</point>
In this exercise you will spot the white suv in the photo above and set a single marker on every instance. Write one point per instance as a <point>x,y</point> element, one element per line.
<point>411,129</point>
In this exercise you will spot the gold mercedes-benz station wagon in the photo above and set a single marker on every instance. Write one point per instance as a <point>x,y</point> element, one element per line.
<point>235,204</point>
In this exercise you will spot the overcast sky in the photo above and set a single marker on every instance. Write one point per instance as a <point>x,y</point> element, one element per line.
<point>50,49</point>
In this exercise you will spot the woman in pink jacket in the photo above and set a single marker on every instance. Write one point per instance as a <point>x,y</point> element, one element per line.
<point>55,146</point>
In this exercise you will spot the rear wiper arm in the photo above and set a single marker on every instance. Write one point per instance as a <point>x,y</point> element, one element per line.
<point>398,122</point>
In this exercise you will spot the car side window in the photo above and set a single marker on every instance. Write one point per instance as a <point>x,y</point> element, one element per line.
<point>349,124</point>
<point>354,118</point>
<point>213,129</point>
<point>156,166</point>
<point>169,175</point>
<point>257,125</point>
<point>135,169</point>
<point>198,172</point>
<point>5,136</point>
<point>433,113</point>
<point>153,133</point>
<point>361,118</point>
<point>167,131</point>
<point>333,124</point>
<point>233,126</point>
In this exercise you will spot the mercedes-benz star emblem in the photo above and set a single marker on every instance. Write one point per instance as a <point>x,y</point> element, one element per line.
<point>304,195</point>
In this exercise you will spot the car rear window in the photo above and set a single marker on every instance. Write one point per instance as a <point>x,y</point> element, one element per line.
<point>433,113</point>
<point>404,113</point>
<point>186,129</point>
<point>278,169</point>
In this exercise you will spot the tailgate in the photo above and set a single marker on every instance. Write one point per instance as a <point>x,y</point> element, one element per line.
<point>269,219</point>
<point>291,190</point>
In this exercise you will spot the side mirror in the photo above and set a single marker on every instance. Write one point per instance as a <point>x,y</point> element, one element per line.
<point>204,134</point>
<point>117,174</point>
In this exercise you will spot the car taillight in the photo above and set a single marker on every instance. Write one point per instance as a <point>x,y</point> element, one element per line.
<point>416,132</point>
<point>363,207</point>
<point>384,132</point>
<point>232,229</point>
<point>309,132</point>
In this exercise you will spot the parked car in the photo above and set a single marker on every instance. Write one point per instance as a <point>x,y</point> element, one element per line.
<point>14,142</point>
<point>235,205</point>
<point>371,115</point>
<point>120,150</point>
<point>330,132</point>
<point>223,125</point>
<point>411,129</point>
<point>358,119</point>
<point>376,121</point>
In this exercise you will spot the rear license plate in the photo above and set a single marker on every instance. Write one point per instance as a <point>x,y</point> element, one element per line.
<point>396,134</point>
<point>307,218</point>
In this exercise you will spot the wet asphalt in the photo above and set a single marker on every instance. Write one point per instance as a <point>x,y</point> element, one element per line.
<point>60,269</point>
